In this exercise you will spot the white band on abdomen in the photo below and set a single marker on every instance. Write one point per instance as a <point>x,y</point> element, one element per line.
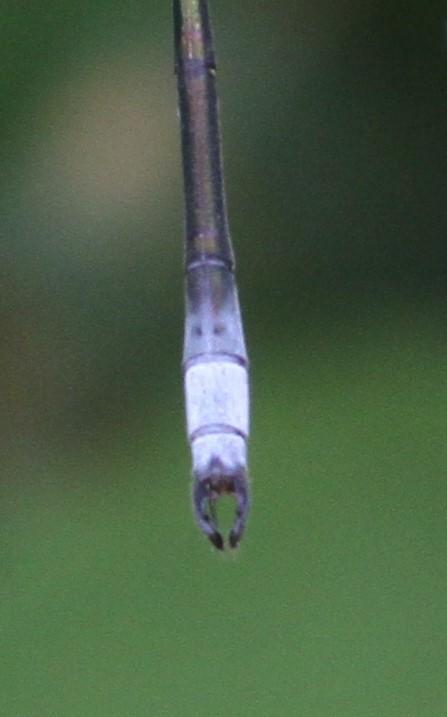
<point>216,398</point>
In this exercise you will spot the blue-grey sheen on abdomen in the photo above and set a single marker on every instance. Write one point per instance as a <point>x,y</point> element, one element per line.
<point>215,358</point>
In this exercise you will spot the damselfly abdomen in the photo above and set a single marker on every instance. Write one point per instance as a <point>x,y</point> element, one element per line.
<point>215,358</point>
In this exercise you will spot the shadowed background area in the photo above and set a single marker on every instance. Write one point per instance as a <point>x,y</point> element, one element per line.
<point>334,141</point>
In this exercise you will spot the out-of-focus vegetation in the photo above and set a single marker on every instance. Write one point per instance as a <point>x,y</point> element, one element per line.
<point>334,132</point>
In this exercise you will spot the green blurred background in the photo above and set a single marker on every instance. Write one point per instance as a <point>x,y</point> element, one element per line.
<point>112,604</point>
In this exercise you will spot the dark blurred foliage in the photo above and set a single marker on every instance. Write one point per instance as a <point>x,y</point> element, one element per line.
<point>334,139</point>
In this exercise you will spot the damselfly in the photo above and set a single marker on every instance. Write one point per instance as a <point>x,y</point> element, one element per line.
<point>215,358</point>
